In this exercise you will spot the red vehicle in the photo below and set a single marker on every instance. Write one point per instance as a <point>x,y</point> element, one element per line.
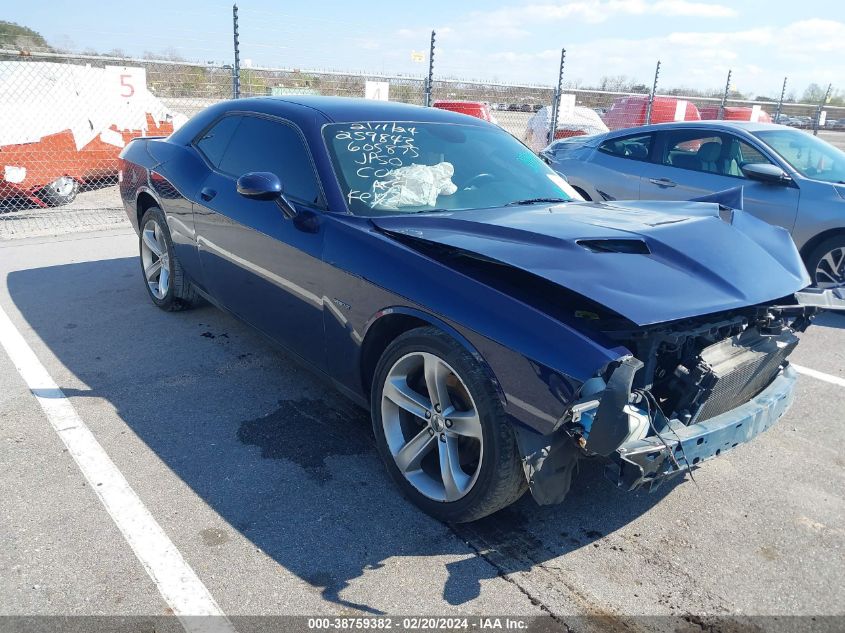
<point>63,125</point>
<point>478,109</point>
<point>50,170</point>
<point>734,113</point>
<point>631,111</point>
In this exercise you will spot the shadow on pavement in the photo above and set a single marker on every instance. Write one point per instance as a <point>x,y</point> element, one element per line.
<point>832,319</point>
<point>276,453</point>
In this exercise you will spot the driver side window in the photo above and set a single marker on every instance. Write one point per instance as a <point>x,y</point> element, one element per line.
<point>747,155</point>
<point>261,144</point>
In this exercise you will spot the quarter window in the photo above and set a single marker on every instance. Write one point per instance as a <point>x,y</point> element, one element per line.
<point>213,143</point>
<point>265,145</point>
<point>633,147</point>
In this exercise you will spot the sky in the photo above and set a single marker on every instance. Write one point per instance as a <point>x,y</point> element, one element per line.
<point>697,41</point>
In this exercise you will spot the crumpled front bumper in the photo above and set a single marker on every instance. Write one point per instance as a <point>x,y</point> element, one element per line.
<point>650,461</point>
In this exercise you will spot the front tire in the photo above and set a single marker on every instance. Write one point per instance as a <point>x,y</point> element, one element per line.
<point>163,276</point>
<point>441,429</point>
<point>826,262</point>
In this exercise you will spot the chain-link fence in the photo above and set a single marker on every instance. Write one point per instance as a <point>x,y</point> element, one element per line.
<point>64,118</point>
<point>629,109</point>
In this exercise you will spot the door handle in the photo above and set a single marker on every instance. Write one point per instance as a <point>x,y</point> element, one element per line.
<point>206,193</point>
<point>662,182</point>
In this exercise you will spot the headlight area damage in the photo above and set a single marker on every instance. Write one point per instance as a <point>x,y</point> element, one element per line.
<point>692,390</point>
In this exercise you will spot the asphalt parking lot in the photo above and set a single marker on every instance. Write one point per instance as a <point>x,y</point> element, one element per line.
<point>268,485</point>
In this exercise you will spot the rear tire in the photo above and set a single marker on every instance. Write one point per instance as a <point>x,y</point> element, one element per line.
<point>162,273</point>
<point>826,262</point>
<point>457,460</point>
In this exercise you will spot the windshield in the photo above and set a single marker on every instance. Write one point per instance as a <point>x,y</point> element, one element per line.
<point>807,154</point>
<point>394,167</point>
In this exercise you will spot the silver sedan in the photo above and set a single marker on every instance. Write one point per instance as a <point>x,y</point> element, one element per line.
<point>790,178</point>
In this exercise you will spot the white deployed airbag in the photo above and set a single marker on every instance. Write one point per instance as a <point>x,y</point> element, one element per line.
<point>413,186</point>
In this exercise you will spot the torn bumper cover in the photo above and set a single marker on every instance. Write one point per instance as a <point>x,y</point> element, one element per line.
<point>650,460</point>
<point>704,389</point>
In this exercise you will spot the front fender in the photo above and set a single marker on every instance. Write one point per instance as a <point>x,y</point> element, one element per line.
<point>442,325</point>
<point>536,361</point>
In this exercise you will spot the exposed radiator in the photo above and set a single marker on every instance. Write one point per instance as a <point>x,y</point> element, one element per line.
<point>742,366</point>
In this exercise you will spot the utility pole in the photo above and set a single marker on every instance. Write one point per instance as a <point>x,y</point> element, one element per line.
<point>236,69</point>
<point>556,97</point>
<point>780,101</point>
<point>651,96</point>
<point>725,96</point>
<point>429,80</point>
<point>818,120</point>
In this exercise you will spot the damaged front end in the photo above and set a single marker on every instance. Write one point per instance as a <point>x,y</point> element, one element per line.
<point>705,299</point>
<point>691,390</point>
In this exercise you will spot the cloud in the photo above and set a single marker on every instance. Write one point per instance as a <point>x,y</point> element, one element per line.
<point>512,57</point>
<point>690,9</point>
<point>423,32</point>
<point>511,21</point>
<point>806,51</point>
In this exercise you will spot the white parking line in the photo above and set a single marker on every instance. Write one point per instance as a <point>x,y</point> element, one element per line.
<point>818,375</point>
<point>176,581</point>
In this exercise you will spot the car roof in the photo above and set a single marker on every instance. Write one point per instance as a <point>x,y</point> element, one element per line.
<point>302,110</point>
<point>718,125</point>
<point>349,109</point>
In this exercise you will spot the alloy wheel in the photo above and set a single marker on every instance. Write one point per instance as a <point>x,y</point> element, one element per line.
<point>830,270</point>
<point>155,259</point>
<point>432,426</point>
<point>63,186</point>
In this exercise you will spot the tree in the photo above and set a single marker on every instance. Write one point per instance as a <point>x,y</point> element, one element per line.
<point>21,38</point>
<point>617,83</point>
<point>813,94</point>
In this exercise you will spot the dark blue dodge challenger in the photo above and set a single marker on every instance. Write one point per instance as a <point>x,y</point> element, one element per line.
<point>498,328</point>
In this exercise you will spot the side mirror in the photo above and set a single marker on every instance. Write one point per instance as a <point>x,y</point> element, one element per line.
<point>260,185</point>
<point>765,172</point>
<point>264,185</point>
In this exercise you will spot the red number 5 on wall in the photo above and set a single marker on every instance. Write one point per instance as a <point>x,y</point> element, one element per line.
<point>128,81</point>
<point>126,84</point>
